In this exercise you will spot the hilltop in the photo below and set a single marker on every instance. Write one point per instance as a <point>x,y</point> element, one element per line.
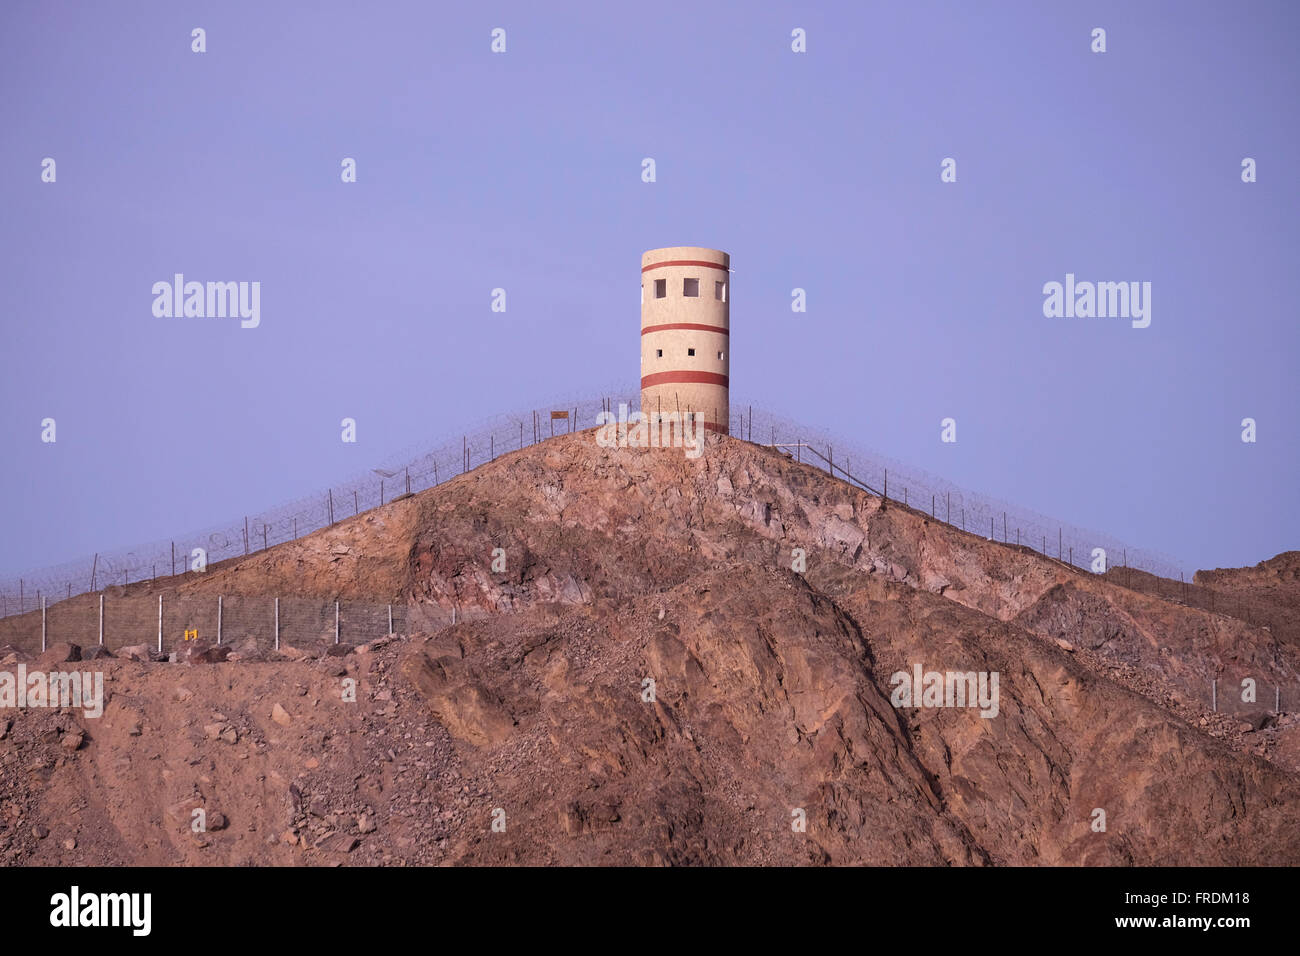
<point>771,692</point>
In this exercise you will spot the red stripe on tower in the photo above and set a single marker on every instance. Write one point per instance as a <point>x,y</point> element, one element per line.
<point>693,326</point>
<point>683,378</point>
<point>685,262</point>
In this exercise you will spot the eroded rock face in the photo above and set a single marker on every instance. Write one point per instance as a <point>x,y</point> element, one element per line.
<point>762,711</point>
<point>648,680</point>
<point>620,522</point>
<point>459,701</point>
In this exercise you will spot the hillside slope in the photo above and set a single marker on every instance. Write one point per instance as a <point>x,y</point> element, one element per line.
<point>771,695</point>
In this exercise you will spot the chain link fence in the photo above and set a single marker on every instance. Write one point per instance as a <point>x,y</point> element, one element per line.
<point>169,622</point>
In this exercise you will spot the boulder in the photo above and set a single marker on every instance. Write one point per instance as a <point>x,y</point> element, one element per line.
<point>211,655</point>
<point>59,653</point>
<point>461,703</point>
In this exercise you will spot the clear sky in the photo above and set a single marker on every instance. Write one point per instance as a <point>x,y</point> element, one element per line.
<point>523,170</point>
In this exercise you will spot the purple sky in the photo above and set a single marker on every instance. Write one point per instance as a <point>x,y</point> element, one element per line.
<point>522,170</point>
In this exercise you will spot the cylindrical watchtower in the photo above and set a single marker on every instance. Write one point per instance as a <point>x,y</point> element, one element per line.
<point>685,325</point>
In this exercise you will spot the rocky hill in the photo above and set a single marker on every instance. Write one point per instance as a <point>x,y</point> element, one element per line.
<point>628,656</point>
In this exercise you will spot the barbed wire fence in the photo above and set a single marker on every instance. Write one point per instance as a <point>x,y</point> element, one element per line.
<point>1138,569</point>
<point>172,561</point>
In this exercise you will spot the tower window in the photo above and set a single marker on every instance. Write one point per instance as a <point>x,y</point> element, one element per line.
<point>661,288</point>
<point>659,353</point>
<point>690,351</point>
<point>719,356</point>
<point>691,288</point>
<point>643,293</point>
<point>720,291</point>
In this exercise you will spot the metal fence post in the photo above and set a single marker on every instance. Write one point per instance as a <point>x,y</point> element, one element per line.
<point>43,624</point>
<point>101,620</point>
<point>160,597</point>
<point>218,618</point>
<point>277,624</point>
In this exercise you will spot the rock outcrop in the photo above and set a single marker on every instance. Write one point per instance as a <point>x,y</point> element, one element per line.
<point>659,660</point>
